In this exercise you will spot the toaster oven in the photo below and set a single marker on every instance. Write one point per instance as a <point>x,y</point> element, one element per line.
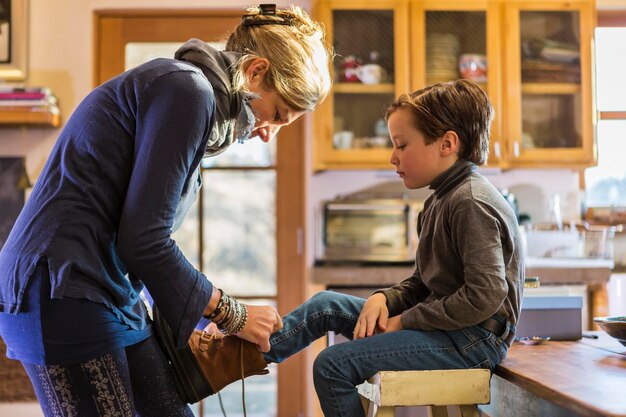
<point>375,230</point>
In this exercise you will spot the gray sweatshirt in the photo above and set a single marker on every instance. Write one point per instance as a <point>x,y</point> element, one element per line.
<point>469,263</point>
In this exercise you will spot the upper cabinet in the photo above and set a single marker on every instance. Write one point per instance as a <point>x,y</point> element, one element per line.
<point>460,39</point>
<point>548,96</point>
<point>371,67</point>
<point>532,58</point>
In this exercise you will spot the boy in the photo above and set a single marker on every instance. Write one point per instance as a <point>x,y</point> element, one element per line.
<point>460,306</point>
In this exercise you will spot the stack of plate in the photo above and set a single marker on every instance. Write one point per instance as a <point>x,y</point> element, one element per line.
<point>442,51</point>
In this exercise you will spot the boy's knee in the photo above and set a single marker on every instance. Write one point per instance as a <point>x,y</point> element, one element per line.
<point>325,298</point>
<point>322,366</point>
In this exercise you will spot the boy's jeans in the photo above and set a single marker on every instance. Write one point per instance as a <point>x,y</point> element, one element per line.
<point>339,368</point>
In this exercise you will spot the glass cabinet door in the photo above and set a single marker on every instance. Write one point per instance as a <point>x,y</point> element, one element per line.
<point>455,40</point>
<point>548,87</point>
<point>370,42</point>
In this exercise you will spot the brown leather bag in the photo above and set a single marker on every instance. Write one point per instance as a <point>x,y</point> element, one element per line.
<point>207,364</point>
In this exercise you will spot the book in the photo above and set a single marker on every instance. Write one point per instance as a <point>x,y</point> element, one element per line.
<point>22,96</point>
<point>21,89</point>
<point>45,101</point>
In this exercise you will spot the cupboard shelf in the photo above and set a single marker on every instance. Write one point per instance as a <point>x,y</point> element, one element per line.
<point>357,88</point>
<point>551,88</point>
<point>51,117</point>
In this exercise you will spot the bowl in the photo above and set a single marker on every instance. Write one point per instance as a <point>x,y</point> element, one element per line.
<point>614,327</point>
<point>534,340</point>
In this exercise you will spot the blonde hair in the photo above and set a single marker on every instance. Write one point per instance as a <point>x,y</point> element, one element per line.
<point>294,46</point>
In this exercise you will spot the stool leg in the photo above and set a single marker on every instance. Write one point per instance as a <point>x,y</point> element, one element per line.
<point>469,410</point>
<point>437,411</point>
<point>365,403</point>
<point>385,412</point>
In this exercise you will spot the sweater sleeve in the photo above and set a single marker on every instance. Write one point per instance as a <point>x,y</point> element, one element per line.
<point>475,231</point>
<point>406,294</point>
<point>174,115</point>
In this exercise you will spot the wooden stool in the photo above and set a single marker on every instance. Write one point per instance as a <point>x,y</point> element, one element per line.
<point>462,387</point>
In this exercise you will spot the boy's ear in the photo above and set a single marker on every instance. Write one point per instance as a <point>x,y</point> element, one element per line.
<point>450,143</point>
<point>257,68</point>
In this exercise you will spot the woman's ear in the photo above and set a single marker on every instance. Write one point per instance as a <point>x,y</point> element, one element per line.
<point>257,69</point>
<point>450,143</point>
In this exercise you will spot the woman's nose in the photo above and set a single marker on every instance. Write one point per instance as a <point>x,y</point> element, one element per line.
<point>274,129</point>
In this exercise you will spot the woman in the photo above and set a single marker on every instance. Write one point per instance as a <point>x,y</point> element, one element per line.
<point>97,226</point>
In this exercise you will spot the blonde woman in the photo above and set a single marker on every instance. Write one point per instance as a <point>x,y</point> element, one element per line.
<point>98,224</point>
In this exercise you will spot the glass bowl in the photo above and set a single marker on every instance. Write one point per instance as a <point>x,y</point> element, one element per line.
<point>614,327</point>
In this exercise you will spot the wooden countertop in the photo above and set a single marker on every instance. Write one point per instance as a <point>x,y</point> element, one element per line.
<point>586,377</point>
<point>360,276</point>
<point>549,272</point>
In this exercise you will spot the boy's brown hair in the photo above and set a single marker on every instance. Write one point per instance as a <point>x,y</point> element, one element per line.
<point>460,106</point>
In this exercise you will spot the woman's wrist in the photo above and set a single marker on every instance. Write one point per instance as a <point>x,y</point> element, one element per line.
<point>213,302</point>
<point>229,314</point>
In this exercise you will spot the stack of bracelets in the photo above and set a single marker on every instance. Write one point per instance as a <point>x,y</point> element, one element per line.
<point>229,315</point>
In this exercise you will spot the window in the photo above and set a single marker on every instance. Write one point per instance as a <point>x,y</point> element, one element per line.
<point>606,184</point>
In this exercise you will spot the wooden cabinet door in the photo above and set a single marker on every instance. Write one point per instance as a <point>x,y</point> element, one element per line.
<point>349,130</point>
<point>452,40</point>
<point>548,96</point>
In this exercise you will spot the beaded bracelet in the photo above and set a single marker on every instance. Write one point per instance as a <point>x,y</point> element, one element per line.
<point>218,309</point>
<point>235,321</point>
<point>230,315</point>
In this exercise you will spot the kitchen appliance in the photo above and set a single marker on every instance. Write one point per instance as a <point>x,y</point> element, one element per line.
<point>558,317</point>
<point>375,229</point>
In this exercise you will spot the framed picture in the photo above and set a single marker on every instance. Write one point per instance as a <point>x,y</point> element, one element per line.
<point>13,39</point>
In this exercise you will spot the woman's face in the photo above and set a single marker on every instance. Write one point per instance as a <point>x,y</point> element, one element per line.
<point>270,109</point>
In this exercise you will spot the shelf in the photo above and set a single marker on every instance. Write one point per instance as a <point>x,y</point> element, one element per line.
<point>551,88</point>
<point>49,117</point>
<point>358,88</point>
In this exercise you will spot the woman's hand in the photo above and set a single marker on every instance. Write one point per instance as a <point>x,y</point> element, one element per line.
<point>212,329</point>
<point>262,322</point>
<point>373,316</point>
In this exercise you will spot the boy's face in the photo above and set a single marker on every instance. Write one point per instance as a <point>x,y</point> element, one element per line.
<point>416,163</point>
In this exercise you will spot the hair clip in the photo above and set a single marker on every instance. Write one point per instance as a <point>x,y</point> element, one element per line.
<point>268,9</point>
<point>265,10</point>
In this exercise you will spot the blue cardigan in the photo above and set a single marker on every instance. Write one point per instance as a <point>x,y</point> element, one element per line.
<point>106,200</point>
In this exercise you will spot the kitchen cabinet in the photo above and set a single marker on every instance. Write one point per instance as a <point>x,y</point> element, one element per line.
<point>373,32</point>
<point>548,78</point>
<point>533,58</point>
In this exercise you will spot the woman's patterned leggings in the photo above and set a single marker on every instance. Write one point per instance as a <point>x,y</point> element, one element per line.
<point>131,382</point>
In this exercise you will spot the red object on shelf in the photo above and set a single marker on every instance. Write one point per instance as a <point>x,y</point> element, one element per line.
<point>348,73</point>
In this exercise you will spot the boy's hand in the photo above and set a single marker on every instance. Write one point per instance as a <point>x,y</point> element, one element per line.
<point>373,316</point>
<point>393,324</point>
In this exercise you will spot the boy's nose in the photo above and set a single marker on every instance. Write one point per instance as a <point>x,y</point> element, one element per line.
<point>392,158</point>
